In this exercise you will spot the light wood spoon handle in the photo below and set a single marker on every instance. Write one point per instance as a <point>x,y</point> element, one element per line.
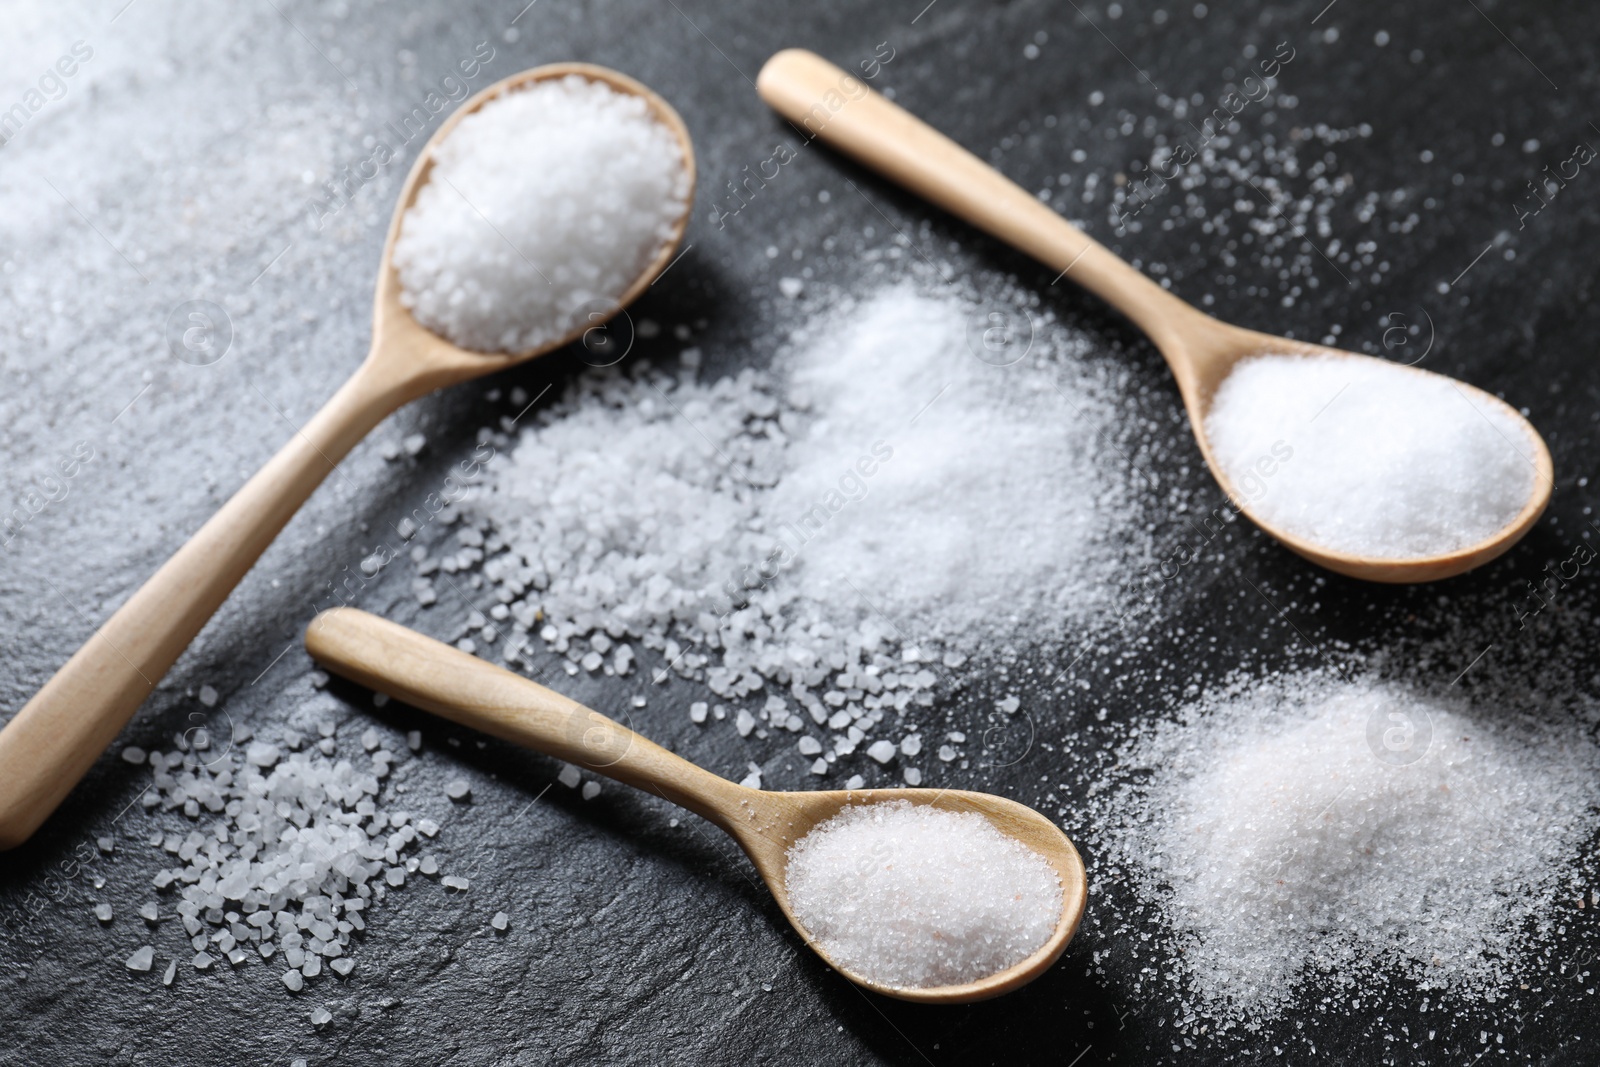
<point>431,675</point>
<point>835,106</point>
<point>57,736</point>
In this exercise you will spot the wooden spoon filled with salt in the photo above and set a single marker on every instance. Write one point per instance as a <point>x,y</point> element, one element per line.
<point>1370,468</point>
<point>938,896</point>
<point>494,252</point>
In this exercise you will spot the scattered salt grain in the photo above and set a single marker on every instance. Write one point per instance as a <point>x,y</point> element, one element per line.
<point>913,896</point>
<point>288,853</point>
<point>455,881</point>
<point>171,973</point>
<point>142,959</point>
<point>294,980</point>
<point>103,912</point>
<point>321,1017</point>
<point>149,912</point>
<point>590,790</point>
<point>1369,458</point>
<point>544,205</point>
<point>208,696</point>
<point>343,966</point>
<point>133,754</point>
<point>458,789</point>
<point>500,920</point>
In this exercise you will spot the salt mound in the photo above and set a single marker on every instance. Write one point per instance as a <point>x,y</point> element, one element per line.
<point>1344,833</point>
<point>824,538</point>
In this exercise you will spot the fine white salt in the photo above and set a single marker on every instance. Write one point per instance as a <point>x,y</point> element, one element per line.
<point>913,896</point>
<point>543,206</point>
<point>1348,833</point>
<point>1369,458</point>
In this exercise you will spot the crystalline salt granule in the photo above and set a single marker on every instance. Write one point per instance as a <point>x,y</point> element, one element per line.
<point>543,205</point>
<point>910,895</point>
<point>1369,458</point>
<point>142,959</point>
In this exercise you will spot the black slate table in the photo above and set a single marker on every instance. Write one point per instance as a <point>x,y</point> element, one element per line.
<point>634,939</point>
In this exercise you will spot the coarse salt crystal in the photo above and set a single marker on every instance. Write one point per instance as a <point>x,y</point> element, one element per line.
<point>544,204</point>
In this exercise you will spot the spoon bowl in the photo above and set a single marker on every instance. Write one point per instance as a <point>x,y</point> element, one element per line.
<point>398,338</point>
<point>829,104</point>
<point>1208,350</point>
<point>431,675</point>
<point>779,820</point>
<point>49,744</point>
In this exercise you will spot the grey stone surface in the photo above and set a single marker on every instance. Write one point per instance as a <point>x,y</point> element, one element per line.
<point>176,165</point>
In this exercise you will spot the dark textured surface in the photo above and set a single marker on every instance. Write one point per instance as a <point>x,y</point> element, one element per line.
<point>633,940</point>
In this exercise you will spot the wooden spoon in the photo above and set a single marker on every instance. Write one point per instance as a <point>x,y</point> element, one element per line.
<point>828,103</point>
<point>58,734</point>
<point>446,681</point>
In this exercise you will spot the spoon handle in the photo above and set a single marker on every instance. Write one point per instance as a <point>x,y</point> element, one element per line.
<point>56,737</point>
<point>832,105</point>
<point>431,675</point>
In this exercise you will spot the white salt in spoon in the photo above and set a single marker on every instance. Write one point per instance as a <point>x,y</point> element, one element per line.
<point>53,740</point>
<point>431,675</point>
<point>828,103</point>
